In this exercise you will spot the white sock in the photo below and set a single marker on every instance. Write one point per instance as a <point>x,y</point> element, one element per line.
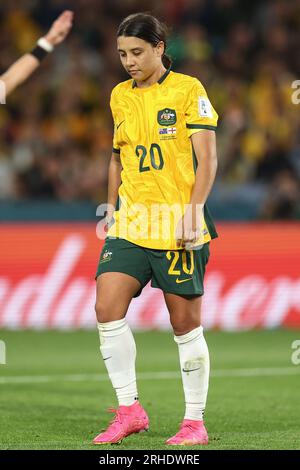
<point>194,364</point>
<point>118,350</point>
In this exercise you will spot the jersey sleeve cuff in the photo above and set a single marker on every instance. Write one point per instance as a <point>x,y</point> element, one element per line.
<point>118,151</point>
<point>201,126</point>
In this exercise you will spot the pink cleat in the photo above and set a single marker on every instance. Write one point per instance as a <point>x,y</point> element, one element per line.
<point>190,433</point>
<point>128,420</point>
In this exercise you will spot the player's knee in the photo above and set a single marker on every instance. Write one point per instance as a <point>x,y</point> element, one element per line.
<point>183,326</point>
<point>101,312</point>
<point>107,312</point>
<point>182,331</point>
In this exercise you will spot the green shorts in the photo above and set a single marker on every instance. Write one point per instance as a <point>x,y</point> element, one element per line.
<point>176,272</point>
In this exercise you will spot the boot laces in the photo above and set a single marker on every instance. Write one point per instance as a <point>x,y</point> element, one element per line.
<point>117,419</point>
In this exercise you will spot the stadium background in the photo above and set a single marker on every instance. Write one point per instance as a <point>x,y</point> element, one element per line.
<point>55,145</point>
<point>56,133</point>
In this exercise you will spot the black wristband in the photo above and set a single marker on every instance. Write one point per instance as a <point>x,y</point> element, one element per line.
<point>39,53</point>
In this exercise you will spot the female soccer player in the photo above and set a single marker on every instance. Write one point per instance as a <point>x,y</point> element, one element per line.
<point>163,164</point>
<point>28,63</point>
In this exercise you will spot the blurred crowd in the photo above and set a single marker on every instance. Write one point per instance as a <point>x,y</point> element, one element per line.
<point>56,130</point>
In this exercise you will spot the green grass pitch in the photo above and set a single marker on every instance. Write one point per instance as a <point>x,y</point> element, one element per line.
<point>54,392</point>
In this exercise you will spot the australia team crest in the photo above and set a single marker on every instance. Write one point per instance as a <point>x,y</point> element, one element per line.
<point>166,117</point>
<point>106,256</point>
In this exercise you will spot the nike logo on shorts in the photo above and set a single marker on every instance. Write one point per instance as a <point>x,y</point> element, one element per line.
<point>179,281</point>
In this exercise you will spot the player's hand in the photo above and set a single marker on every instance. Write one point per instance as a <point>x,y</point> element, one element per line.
<point>188,229</point>
<point>60,28</point>
<point>109,220</point>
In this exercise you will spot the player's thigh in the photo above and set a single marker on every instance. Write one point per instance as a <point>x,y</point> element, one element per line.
<point>114,293</point>
<point>184,311</point>
<point>180,274</point>
<point>122,272</point>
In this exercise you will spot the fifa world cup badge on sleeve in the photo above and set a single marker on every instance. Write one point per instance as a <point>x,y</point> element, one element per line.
<point>204,107</point>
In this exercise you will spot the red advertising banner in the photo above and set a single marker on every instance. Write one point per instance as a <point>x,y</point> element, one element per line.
<point>47,278</point>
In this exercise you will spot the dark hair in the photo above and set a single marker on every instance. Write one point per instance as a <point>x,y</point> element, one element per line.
<point>148,28</point>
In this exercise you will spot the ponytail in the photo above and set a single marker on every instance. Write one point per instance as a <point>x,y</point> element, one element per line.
<point>167,61</point>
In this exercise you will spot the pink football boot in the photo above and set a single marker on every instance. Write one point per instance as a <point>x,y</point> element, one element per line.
<point>128,420</point>
<point>190,433</point>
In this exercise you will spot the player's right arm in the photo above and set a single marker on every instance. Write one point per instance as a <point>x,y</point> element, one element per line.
<point>115,166</point>
<point>114,182</point>
<point>20,70</point>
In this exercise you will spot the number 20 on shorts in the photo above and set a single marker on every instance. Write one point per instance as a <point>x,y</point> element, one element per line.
<point>174,256</point>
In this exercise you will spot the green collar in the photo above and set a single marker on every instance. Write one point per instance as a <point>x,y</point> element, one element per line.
<point>162,78</point>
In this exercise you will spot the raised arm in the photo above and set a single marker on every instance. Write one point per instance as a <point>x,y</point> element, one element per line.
<point>28,63</point>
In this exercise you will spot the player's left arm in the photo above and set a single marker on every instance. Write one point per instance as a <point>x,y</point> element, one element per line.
<point>201,123</point>
<point>204,145</point>
<point>20,70</point>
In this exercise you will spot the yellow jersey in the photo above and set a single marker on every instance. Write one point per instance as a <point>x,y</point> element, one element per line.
<point>152,133</point>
